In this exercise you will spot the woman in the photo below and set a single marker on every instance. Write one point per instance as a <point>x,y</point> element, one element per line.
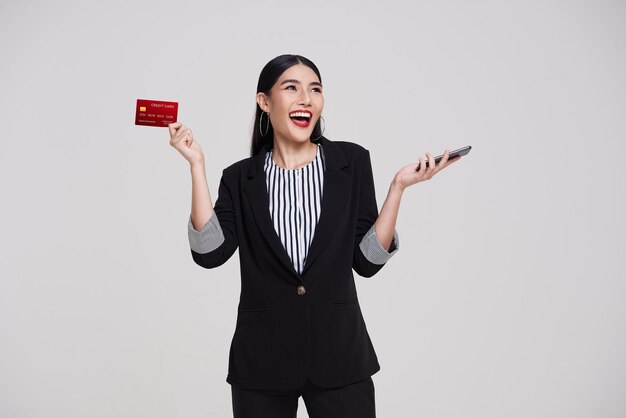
<point>302,212</point>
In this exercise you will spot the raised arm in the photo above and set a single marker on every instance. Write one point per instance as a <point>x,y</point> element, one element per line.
<point>181,138</point>
<point>369,255</point>
<point>201,204</point>
<point>386,222</point>
<point>210,245</point>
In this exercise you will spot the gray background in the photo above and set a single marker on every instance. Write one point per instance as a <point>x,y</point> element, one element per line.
<point>505,299</point>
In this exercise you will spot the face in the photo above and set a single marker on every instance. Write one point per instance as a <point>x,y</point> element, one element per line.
<point>295,104</point>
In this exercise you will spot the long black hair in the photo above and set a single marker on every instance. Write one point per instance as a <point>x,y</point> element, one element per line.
<point>268,77</point>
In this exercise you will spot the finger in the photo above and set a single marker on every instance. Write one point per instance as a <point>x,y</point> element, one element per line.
<point>431,163</point>
<point>189,138</point>
<point>181,133</point>
<point>453,160</point>
<point>173,126</point>
<point>442,163</point>
<point>422,167</point>
<point>444,159</point>
<point>178,133</point>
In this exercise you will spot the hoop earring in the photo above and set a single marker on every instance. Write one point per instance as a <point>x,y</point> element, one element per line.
<point>323,129</point>
<point>261,124</point>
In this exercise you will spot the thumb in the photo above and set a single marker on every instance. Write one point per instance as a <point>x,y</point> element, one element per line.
<point>173,127</point>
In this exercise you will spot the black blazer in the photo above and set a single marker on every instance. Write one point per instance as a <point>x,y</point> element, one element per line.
<point>291,326</point>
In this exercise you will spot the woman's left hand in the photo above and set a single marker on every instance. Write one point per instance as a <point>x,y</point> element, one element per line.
<point>408,176</point>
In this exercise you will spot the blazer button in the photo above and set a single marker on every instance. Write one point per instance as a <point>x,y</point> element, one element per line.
<point>301,290</point>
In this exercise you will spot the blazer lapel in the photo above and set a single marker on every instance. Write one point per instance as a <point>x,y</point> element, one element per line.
<point>336,191</point>
<point>256,190</point>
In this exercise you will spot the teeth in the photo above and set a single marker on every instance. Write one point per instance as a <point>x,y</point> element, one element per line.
<point>299,114</point>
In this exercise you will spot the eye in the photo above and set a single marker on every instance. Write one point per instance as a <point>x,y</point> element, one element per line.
<point>317,89</point>
<point>290,86</point>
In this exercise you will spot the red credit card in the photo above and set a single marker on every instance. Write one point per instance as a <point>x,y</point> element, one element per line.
<point>155,113</point>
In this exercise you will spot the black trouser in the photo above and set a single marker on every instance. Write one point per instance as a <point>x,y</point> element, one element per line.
<point>355,400</point>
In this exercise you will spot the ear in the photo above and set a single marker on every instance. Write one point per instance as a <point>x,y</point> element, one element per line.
<point>263,101</point>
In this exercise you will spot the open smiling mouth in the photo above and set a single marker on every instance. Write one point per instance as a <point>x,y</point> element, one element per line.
<point>301,118</point>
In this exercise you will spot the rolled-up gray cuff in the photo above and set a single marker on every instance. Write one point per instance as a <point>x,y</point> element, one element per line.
<point>373,250</point>
<point>208,238</point>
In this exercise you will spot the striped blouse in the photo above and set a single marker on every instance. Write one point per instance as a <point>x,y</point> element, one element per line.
<point>295,198</point>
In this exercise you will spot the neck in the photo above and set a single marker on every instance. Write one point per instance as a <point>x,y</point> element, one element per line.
<point>293,155</point>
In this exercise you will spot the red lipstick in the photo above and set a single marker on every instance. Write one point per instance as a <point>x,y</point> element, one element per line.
<point>301,118</point>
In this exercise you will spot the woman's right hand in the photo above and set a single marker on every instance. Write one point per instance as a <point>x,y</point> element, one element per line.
<point>181,138</point>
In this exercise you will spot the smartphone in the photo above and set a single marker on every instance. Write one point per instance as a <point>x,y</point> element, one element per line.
<point>453,154</point>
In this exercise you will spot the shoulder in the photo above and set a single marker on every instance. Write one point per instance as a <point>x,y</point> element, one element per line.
<point>347,152</point>
<point>349,148</point>
<point>240,167</point>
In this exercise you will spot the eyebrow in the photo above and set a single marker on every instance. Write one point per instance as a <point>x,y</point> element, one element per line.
<point>314,83</point>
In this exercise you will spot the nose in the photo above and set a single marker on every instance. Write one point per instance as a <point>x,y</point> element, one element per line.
<point>305,97</point>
